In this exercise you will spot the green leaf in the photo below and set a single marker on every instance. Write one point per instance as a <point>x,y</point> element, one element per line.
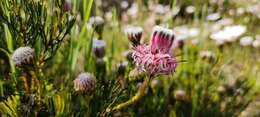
<point>10,106</point>
<point>8,37</point>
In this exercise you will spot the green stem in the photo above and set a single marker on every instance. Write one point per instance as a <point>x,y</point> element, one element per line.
<point>136,98</point>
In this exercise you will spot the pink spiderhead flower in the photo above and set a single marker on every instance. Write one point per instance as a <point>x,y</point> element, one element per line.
<point>139,53</point>
<point>155,58</point>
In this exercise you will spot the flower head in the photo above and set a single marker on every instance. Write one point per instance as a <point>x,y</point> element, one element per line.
<point>229,33</point>
<point>99,48</point>
<point>84,82</point>
<point>23,56</point>
<point>155,58</point>
<point>134,34</point>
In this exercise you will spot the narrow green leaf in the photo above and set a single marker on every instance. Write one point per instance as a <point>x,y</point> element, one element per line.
<point>8,37</point>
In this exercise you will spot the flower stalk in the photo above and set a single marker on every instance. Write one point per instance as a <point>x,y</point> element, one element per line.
<point>136,98</point>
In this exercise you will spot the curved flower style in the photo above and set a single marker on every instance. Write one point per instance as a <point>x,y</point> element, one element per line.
<point>155,58</point>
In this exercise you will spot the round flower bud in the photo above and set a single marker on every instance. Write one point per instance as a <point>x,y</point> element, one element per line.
<point>190,9</point>
<point>84,82</point>
<point>23,56</point>
<point>99,48</point>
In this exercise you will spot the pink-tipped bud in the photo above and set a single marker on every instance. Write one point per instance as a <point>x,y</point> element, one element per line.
<point>134,34</point>
<point>84,82</point>
<point>99,48</point>
<point>23,56</point>
<point>162,40</point>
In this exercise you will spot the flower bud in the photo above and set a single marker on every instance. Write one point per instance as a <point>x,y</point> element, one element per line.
<point>99,48</point>
<point>134,34</point>
<point>84,82</point>
<point>23,56</point>
<point>179,43</point>
<point>122,68</point>
<point>208,55</point>
<point>180,95</point>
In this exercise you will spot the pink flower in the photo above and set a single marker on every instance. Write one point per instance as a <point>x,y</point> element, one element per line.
<point>155,58</point>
